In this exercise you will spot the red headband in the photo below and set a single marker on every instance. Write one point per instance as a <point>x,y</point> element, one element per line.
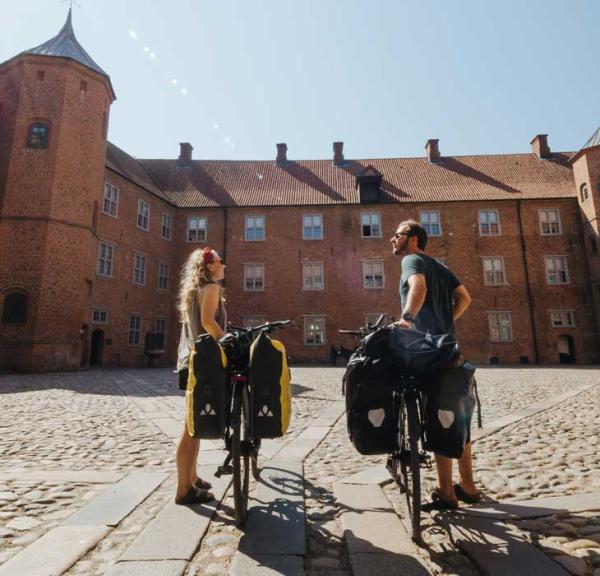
<point>208,255</point>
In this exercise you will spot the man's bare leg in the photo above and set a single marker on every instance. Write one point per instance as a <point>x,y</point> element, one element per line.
<point>444,472</point>
<point>465,469</point>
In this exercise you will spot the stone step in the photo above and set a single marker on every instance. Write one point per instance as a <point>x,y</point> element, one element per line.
<point>152,568</point>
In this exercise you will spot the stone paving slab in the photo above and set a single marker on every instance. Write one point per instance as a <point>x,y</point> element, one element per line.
<point>171,427</point>
<point>535,508</point>
<point>376,475</point>
<point>176,531</point>
<point>243,565</point>
<point>84,476</point>
<point>331,414</point>
<point>276,524</point>
<point>388,564</point>
<point>155,568</point>
<point>54,552</point>
<point>118,501</point>
<point>371,526</point>
<point>498,549</point>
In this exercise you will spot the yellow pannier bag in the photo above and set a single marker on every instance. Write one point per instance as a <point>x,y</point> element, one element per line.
<point>207,391</point>
<point>270,388</point>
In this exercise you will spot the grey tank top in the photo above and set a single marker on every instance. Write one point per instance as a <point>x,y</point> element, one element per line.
<point>192,328</point>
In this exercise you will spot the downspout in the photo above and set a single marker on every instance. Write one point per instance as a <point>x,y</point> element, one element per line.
<point>528,285</point>
<point>224,233</point>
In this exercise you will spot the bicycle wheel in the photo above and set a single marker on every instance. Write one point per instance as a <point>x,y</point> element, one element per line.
<point>239,453</point>
<point>410,465</point>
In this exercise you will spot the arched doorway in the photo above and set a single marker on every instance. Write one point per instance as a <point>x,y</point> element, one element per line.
<point>566,349</point>
<point>97,348</point>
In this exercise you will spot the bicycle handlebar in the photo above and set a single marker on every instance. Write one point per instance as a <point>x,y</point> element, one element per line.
<point>268,326</point>
<point>364,330</point>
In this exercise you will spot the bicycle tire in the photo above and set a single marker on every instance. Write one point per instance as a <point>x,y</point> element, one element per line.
<point>410,466</point>
<point>239,454</point>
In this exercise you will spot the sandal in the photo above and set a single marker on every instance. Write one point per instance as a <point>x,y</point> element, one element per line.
<point>202,484</point>
<point>438,503</point>
<point>195,496</point>
<point>466,497</point>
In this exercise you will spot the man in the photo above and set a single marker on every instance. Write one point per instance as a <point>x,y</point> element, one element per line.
<point>432,298</point>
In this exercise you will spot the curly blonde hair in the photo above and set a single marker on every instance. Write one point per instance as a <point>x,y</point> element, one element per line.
<point>194,276</point>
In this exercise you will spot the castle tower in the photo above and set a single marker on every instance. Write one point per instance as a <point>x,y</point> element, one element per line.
<point>54,107</point>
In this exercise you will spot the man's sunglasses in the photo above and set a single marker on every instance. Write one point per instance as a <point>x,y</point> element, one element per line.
<point>398,234</point>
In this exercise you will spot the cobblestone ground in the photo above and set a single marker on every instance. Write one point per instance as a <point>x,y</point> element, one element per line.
<point>85,421</point>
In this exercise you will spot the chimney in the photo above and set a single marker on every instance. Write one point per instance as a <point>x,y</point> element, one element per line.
<point>185,154</point>
<point>281,153</point>
<point>433,151</point>
<point>338,153</point>
<point>539,146</point>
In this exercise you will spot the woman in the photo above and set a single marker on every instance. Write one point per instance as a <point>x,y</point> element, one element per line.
<point>202,311</point>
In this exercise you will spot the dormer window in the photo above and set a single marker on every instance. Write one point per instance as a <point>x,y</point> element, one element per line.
<point>37,136</point>
<point>583,191</point>
<point>369,185</point>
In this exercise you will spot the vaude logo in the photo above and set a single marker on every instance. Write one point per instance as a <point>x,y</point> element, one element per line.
<point>208,410</point>
<point>264,411</point>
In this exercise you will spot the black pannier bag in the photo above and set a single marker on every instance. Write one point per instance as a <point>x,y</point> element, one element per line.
<point>413,350</point>
<point>449,403</point>
<point>371,412</point>
<point>207,389</point>
<point>270,388</point>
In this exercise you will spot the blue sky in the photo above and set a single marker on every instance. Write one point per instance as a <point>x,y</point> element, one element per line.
<point>381,75</point>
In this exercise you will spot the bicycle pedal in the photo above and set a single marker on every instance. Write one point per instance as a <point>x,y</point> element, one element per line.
<point>223,470</point>
<point>425,460</point>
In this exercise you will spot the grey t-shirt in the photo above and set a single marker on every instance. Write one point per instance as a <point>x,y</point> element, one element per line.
<point>436,313</point>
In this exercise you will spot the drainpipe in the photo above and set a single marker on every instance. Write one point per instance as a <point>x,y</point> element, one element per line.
<point>528,285</point>
<point>224,256</point>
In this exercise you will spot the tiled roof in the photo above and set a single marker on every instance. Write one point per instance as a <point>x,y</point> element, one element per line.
<point>209,183</point>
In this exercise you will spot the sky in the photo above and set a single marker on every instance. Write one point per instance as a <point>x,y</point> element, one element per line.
<point>235,77</point>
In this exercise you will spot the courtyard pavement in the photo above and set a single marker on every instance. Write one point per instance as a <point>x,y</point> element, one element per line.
<point>87,477</point>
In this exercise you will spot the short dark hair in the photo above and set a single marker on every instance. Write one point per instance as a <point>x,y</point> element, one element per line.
<point>415,229</point>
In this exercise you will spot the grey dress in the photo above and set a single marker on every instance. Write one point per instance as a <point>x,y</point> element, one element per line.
<point>192,328</point>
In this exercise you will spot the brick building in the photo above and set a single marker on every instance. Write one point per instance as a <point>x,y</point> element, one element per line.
<point>92,239</point>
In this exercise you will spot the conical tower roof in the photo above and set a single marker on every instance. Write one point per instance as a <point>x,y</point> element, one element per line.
<point>594,140</point>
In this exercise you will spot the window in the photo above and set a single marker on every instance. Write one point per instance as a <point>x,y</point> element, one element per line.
<point>370,225</point>
<point>37,137</point>
<point>255,228</point>
<point>196,230</point>
<point>443,261</point>
<point>550,222</point>
<point>556,270</point>
<point>166,225</point>
<point>254,277</point>
<point>373,274</point>
<point>14,310</point>
<point>106,256</point>
<point>493,271</point>
<point>583,192</point>
<point>562,318</point>
<point>163,276</point>
<point>314,330</point>
<point>143,215</point>
<point>312,227</point>
<point>252,321</point>
<point>312,275</point>
<point>139,269</point>
<point>489,223</point>
<point>111,200</point>
<point>135,329</point>
<point>99,317</point>
<point>500,324</point>
<point>160,329</point>
<point>431,222</point>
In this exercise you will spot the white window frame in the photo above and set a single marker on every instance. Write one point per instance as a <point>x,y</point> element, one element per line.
<point>545,213</point>
<point>166,224</point>
<point>494,271</point>
<point>140,267</point>
<point>251,321</point>
<point>198,229</point>
<point>427,225</point>
<point>135,330</point>
<point>252,230</point>
<point>312,227</point>
<point>555,270</point>
<point>110,196</point>
<point>370,216</point>
<point>559,315</point>
<point>308,276</point>
<point>253,266</point>
<point>487,222</point>
<point>584,192</point>
<point>110,260</point>
<point>367,270</point>
<point>494,323</point>
<point>163,266</point>
<point>101,312</point>
<point>306,330</point>
<point>143,215</point>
